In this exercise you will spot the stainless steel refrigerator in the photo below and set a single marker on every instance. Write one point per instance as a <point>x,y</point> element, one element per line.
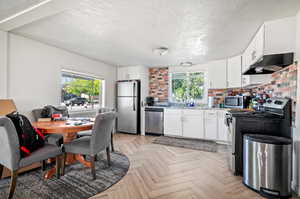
<point>129,106</point>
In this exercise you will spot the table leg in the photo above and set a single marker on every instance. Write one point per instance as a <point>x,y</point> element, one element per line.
<point>49,174</point>
<point>83,161</point>
<point>71,158</point>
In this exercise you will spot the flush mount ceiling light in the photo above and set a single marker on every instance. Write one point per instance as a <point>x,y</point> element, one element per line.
<point>187,63</point>
<point>161,51</point>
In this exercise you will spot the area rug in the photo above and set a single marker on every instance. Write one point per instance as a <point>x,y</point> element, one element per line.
<point>77,182</point>
<point>197,144</point>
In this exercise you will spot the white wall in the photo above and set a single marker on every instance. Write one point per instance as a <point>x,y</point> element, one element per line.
<point>3,64</point>
<point>34,74</point>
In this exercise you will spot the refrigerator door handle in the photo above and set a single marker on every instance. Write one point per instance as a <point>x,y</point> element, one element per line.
<point>133,96</point>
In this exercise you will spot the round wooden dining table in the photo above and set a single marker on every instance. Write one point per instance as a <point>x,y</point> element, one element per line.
<point>69,133</point>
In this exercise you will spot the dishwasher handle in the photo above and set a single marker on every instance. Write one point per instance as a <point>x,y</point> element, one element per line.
<point>154,109</point>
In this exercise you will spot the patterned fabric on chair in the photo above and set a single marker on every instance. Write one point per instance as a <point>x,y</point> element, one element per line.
<point>97,142</point>
<point>10,153</point>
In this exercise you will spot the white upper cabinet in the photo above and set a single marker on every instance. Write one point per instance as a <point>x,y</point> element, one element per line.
<point>273,37</point>
<point>123,73</point>
<point>259,43</point>
<point>280,36</point>
<point>234,71</point>
<point>255,50</point>
<point>248,56</point>
<point>217,74</point>
<point>132,72</point>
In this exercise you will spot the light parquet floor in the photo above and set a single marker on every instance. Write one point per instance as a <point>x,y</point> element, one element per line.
<point>163,172</point>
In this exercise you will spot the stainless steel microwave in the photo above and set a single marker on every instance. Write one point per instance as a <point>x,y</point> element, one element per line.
<point>235,102</point>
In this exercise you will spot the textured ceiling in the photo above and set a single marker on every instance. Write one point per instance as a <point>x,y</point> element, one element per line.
<point>124,32</point>
<point>11,7</point>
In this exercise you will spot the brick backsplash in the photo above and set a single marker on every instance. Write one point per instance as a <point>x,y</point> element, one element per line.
<point>283,84</point>
<point>159,83</point>
<point>219,94</point>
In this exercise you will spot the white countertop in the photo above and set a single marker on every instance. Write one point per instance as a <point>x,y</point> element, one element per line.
<point>189,108</point>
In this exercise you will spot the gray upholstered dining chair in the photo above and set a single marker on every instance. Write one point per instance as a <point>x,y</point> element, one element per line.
<point>10,153</point>
<point>56,139</point>
<point>97,142</point>
<point>89,133</point>
<point>37,113</point>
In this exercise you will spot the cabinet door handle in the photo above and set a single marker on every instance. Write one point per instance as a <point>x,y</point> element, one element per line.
<point>134,98</point>
<point>253,55</point>
<point>212,113</point>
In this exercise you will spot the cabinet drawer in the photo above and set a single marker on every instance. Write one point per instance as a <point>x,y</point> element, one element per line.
<point>210,114</point>
<point>192,112</point>
<point>173,112</point>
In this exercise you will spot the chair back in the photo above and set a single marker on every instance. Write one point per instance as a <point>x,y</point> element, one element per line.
<point>101,133</point>
<point>9,144</point>
<point>37,114</point>
<point>105,110</point>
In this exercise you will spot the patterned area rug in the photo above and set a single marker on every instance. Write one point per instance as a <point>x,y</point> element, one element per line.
<point>197,144</point>
<point>77,182</point>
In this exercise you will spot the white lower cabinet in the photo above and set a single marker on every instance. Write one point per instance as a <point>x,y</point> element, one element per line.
<point>173,122</point>
<point>211,125</point>
<point>193,123</point>
<point>201,124</point>
<point>222,128</point>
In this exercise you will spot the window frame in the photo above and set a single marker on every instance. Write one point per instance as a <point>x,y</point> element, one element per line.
<point>205,85</point>
<point>87,76</point>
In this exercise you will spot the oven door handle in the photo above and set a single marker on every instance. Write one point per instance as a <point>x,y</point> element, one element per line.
<point>228,120</point>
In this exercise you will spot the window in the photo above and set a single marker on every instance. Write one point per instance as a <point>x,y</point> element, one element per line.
<point>187,86</point>
<point>80,92</point>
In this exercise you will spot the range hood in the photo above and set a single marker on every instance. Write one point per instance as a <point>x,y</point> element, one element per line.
<point>270,63</point>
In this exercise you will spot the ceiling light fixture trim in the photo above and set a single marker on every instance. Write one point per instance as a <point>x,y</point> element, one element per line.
<point>161,51</point>
<point>187,63</point>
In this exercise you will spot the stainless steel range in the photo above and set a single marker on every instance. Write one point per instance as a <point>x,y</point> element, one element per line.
<point>275,120</point>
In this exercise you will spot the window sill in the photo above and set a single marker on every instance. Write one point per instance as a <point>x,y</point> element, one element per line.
<point>83,111</point>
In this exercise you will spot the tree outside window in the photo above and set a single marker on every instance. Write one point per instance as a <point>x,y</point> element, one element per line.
<point>80,92</point>
<point>187,87</point>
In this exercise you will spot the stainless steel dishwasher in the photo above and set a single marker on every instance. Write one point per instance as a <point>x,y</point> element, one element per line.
<point>154,121</point>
